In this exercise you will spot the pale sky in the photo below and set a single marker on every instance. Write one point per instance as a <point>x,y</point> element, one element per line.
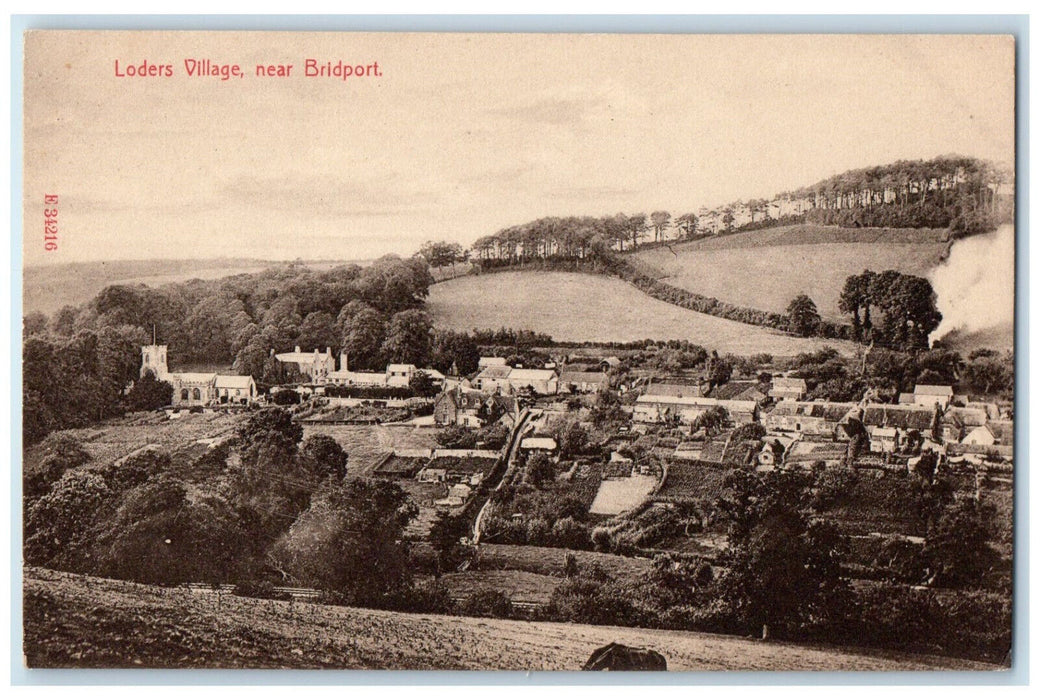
<point>464,134</point>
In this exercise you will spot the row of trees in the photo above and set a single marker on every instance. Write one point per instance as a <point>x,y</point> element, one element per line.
<point>957,192</point>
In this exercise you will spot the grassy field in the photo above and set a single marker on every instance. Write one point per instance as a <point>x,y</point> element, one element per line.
<point>519,586</point>
<point>581,307</point>
<point>366,444</point>
<point>549,561</point>
<point>83,622</point>
<point>766,269</point>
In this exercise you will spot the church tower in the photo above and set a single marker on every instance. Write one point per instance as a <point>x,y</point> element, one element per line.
<point>153,357</point>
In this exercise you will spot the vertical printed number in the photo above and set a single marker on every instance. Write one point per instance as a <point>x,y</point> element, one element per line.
<point>50,222</point>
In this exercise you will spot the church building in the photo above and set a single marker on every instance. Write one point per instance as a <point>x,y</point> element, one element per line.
<point>198,388</point>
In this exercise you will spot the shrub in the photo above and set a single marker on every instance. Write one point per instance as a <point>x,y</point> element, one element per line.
<point>486,603</point>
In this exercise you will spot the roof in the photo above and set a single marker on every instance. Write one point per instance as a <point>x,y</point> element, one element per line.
<point>826,410</point>
<point>878,431</point>
<point>234,381</point>
<point>193,377</point>
<point>495,372</point>
<point>531,375</point>
<point>301,356</point>
<point>906,397</point>
<point>673,389</point>
<point>789,383</point>
<point>969,416</point>
<point>902,417</point>
<point>697,401</point>
<point>574,377</point>
<point>731,390</point>
<point>983,427</point>
<point>538,443</point>
<point>933,390</point>
<point>400,368</point>
<point>359,377</point>
<point>1003,430</point>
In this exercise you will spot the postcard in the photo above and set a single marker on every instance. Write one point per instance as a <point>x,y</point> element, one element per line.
<point>538,352</point>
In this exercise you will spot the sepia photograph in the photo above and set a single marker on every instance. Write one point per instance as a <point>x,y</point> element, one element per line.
<point>423,351</point>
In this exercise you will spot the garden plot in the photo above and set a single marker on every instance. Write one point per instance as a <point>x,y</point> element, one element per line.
<point>618,495</point>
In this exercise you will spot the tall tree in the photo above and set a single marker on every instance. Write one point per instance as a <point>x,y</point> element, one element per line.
<point>803,318</point>
<point>408,338</point>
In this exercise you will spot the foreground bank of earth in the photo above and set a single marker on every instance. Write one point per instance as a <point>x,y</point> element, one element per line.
<point>85,622</point>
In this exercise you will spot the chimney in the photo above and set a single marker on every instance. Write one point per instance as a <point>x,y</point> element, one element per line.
<point>343,367</point>
<point>297,348</point>
<point>328,351</point>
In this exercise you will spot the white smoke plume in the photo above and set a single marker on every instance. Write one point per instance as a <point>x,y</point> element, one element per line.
<point>975,285</point>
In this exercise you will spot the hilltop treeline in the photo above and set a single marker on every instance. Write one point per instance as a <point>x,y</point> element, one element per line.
<point>955,192</point>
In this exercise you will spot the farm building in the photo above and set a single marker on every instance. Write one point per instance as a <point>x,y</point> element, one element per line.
<point>792,388</point>
<point>541,381</point>
<point>574,382</point>
<point>771,455</point>
<point>805,454</point>
<point>493,378</point>
<point>491,362</point>
<point>810,417</point>
<point>903,417</point>
<point>679,389</point>
<point>982,435</point>
<point>885,439</point>
<point>662,409</point>
<point>348,378</point>
<point>509,380</point>
<point>928,395</point>
<point>740,391</point>
<point>393,376</point>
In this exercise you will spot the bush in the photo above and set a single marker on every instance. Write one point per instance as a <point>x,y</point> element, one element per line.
<point>61,453</point>
<point>486,603</point>
<point>253,588</point>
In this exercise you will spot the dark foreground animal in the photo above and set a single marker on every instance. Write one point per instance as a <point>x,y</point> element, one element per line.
<point>618,657</point>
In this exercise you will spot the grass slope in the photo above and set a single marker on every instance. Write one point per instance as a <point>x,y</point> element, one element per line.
<point>84,622</point>
<point>766,269</point>
<point>582,307</point>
